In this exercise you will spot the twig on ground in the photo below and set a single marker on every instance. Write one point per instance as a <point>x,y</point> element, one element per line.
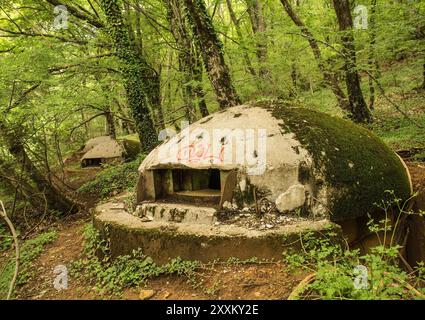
<point>299,288</point>
<point>15,239</point>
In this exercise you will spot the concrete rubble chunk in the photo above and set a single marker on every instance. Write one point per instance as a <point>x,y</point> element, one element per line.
<point>292,199</point>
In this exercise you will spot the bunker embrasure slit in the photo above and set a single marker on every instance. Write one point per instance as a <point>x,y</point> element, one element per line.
<point>188,185</point>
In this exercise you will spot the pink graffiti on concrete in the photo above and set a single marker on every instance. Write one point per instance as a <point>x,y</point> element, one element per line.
<point>199,152</point>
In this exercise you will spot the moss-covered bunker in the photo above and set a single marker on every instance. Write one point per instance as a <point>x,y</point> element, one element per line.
<point>355,163</point>
<point>311,163</point>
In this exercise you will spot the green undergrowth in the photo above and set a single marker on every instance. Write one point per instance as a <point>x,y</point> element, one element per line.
<point>29,251</point>
<point>339,273</point>
<point>401,81</point>
<point>402,133</point>
<point>111,276</point>
<point>5,242</point>
<point>114,179</point>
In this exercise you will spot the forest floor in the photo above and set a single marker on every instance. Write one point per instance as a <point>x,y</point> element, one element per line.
<point>250,281</point>
<point>225,281</point>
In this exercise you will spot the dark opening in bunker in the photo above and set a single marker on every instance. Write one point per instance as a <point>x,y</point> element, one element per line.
<point>188,185</point>
<point>96,162</point>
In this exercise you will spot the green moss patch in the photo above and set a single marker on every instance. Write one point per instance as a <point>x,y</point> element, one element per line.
<point>352,160</point>
<point>131,145</point>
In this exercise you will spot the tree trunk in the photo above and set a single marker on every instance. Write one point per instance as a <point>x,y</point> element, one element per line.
<point>138,75</point>
<point>125,127</point>
<point>110,123</point>
<point>294,75</point>
<point>198,89</point>
<point>55,199</point>
<point>154,100</point>
<point>86,125</point>
<point>185,52</point>
<point>236,23</point>
<point>371,58</point>
<point>329,77</point>
<point>189,61</point>
<point>15,182</point>
<point>212,53</point>
<point>255,11</point>
<point>358,107</point>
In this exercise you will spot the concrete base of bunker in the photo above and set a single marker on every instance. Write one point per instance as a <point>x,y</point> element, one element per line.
<point>163,240</point>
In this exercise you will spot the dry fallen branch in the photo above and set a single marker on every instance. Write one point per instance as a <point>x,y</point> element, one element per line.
<point>299,288</point>
<point>15,239</point>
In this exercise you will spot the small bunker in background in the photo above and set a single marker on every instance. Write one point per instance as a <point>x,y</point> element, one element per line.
<point>105,149</point>
<point>249,180</point>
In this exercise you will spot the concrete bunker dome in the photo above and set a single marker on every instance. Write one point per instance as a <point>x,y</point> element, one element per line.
<point>105,149</point>
<point>297,159</point>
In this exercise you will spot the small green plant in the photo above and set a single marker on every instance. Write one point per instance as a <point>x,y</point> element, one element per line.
<point>237,261</point>
<point>213,290</point>
<point>342,273</point>
<point>113,179</point>
<point>130,202</point>
<point>30,250</point>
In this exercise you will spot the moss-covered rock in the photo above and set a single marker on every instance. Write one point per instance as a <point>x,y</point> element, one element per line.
<point>131,145</point>
<point>353,162</point>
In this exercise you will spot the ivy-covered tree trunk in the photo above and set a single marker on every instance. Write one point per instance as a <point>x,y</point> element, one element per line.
<point>110,123</point>
<point>198,88</point>
<point>358,108</point>
<point>136,72</point>
<point>212,53</point>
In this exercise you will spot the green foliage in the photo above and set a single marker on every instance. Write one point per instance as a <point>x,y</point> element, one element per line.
<point>5,240</point>
<point>237,262</point>
<point>346,274</point>
<point>112,276</point>
<point>30,250</point>
<point>336,271</point>
<point>113,179</point>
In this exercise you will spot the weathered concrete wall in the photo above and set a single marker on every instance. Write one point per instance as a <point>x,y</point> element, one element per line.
<point>163,241</point>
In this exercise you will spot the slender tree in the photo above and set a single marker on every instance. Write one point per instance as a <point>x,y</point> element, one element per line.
<point>358,107</point>
<point>255,11</point>
<point>329,77</point>
<point>189,61</point>
<point>212,53</point>
<point>372,62</point>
